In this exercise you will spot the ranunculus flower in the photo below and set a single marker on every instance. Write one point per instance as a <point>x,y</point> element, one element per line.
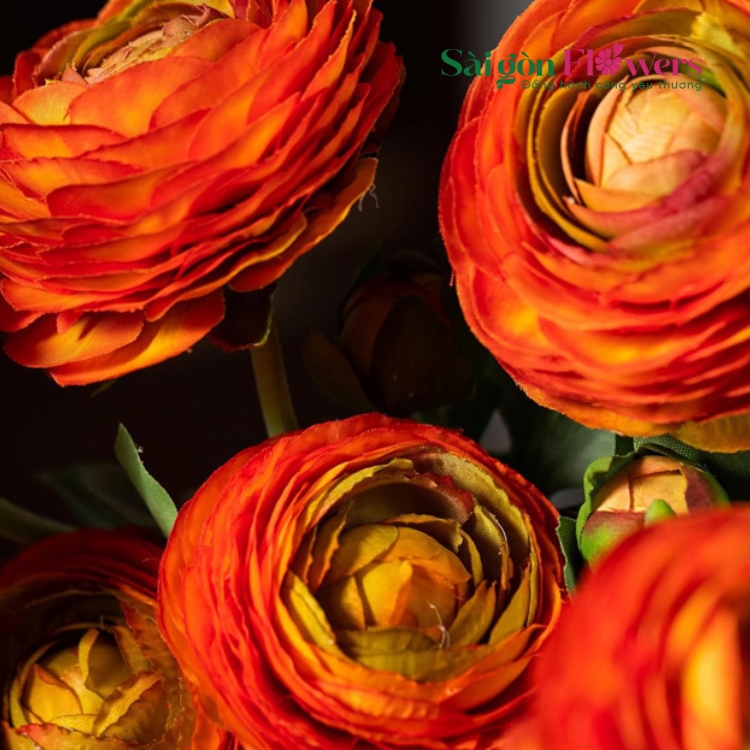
<point>369,582</point>
<point>647,489</point>
<point>597,233</point>
<point>82,664</point>
<point>168,152</point>
<point>652,653</point>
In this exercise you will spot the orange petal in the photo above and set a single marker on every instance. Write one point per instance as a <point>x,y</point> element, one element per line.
<point>49,105</point>
<point>43,176</point>
<point>31,141</point>
<point>40,345</point>
<point>726,435</point>
<point>144,87</point>
<point>183,326</point>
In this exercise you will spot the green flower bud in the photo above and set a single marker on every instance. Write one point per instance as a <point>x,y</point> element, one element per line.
<point>648,490</point>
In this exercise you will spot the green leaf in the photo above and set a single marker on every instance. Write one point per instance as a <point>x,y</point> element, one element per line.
<point>157,499</point>
<point>332,372</point>
<point>566,533</point>
<point>624,445</point>
<point>99,494</point>
<point>24,527</point>
<point>659,510</point>
<point>470,416</point>
<point>103,387</point>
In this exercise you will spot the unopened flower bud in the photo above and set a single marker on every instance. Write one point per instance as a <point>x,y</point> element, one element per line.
<point>648,490</point>
<point>397,350</point>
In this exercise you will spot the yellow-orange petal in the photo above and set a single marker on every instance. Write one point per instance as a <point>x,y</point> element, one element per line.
<point>179,329</point>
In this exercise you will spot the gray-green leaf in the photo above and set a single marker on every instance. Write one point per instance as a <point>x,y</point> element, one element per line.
<point>157,499</point>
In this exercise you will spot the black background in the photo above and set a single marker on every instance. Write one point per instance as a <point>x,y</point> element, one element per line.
<point>194,412</point>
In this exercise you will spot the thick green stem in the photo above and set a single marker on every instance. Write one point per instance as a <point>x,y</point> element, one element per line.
<point>272,386</point>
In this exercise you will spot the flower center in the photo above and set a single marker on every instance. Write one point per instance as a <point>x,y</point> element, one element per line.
<point>152,45</point>
<point>413,582</point>
<point>96,682</point>
<point>414,571</point>
<point>137,34</point>
<point>650,140</point>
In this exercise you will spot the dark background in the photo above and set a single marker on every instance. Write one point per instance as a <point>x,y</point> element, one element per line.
<point>194,412</point>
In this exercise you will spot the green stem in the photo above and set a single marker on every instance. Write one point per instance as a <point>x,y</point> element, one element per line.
<point>272,386</point>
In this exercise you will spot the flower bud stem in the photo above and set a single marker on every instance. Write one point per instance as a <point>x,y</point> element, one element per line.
<point>272,386</point>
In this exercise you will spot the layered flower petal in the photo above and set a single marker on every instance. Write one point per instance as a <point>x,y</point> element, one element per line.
<point>371,582</point>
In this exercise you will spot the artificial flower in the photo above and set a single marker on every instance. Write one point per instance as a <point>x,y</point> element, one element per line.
<point>397,349</point>
<point>652,652</point>
<point>644,490</point>
<point>82,664</point>
<point>596,214</point>
<point>368,582</point>
<point>167,155</point>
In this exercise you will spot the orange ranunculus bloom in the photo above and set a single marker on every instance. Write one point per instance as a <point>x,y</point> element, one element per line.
<point>82,665</point>
<point>167,151</point>
<point>599,234</point>
<point>370,582</point>
<point>652,653</point>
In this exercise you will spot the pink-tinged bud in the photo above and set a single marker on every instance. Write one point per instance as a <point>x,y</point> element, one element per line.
<point>648,490</point>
